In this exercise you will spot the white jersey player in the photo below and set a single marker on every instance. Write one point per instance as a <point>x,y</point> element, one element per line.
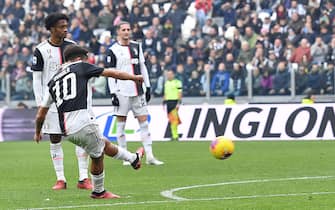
<point>71,92</point>
<point>127,56</point>
<point>48,56</point>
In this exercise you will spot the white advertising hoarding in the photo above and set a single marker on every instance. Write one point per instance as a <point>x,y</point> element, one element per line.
<point>239,122</point>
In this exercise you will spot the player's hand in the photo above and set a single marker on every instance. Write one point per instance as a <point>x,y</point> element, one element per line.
<point>138,79</point>
<point>115,100</point>
<point>37,137</point>
<point>148,94</point>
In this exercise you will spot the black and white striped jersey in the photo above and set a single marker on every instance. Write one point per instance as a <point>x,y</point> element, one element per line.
<point>128,58</point>
<point>47,59</point>
<point>71,91</point>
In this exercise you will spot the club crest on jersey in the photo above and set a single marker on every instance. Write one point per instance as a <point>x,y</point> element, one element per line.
<point>34,60</point>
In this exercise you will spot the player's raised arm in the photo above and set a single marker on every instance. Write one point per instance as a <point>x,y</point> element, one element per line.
<point>111,72</point>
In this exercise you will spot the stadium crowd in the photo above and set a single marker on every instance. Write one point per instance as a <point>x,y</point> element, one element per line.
<point>269,38</point>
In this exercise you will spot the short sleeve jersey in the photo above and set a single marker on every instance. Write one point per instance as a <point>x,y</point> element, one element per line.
<point>71,91</point>
<point>126,58</point>
<point>47,59</point>
<point>172,89</point>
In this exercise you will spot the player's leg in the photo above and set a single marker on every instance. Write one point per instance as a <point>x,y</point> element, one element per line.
<point>119,153</point>
<point>121,112</point>
<point>57,156</point>
<point>173,118</point>
<point>82,157</point>
<point>147,141</point>
<point>139,108</point>
<point>89,138</point>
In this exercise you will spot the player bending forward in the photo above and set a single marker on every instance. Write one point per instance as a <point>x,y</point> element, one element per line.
<point>70,90</point>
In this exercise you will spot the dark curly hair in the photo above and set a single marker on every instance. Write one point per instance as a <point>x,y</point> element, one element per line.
<point>52,19</point>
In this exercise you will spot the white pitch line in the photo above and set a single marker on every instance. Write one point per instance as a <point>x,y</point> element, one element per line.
<point>170,193</point>
<point>174,201</point>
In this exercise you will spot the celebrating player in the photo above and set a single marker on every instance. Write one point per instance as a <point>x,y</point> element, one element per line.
<point>127,56</point>
<point>71,92</point>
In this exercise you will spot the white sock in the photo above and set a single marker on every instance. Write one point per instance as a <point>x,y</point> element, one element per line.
<point>82,163</point>
<point>125,155</point>
<point>57,157</point>
<point>98,182</point>
<point>146,139</point>
<point>121,137</point>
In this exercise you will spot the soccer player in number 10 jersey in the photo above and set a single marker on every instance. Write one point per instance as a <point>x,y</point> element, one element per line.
<point>71,92</point>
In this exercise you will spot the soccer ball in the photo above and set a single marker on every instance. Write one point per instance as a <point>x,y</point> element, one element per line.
<point>222,147</point>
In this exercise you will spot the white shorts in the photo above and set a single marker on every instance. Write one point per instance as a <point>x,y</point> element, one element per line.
<point>90,139</point>
<point>51,124</point>
<point>137,104</point>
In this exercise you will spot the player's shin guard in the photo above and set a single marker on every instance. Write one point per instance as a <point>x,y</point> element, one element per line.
<point>57,156</point>
<point>82,163</point>
<point>121,138</point>
<point>124,154</point>
<point>146,139</point>
<point>98,182</point>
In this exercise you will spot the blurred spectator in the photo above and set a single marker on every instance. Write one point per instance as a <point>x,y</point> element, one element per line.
<point>193,85</point>
<point>137,33</point>
<point>328,79</point>
<point>18,10</point>
<point>190,65</point>
<point>250,37</point>
<point>25,56</point>
<point>331,51</point>
<point>177,17</point>
<point>266,83</point>
<point>74,29</point>
<point>180,74</point>
<point>105,18</point>
<point>11,56</point>
<point>203,7</point>
<point>319,51</point>
<point>8,8</point>
<point>205,79</point>
<point>297,8</point>
<point>94,45</point>
<point>245,55</point>
<point>314,82</point>
<point>198,53</point>
<point>303,49</point>
<point>21,83</point>
<point>154,71</point>
<point>146,17</point>
<point>237,81</point>
<point>228,13</point>
<point>281,80</point>
<point>149,44</point>
<point>256,81</point>
<point>89,19</point>
<point>301,79</point>
<point>220,81</point>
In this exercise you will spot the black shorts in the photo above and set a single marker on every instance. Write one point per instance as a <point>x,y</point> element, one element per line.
<point>171,105</point>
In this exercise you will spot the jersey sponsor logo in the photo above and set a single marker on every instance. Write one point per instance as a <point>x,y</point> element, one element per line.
<point>127,61</point>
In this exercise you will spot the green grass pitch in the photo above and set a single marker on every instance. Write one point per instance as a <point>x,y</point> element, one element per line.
<point>256,177</point>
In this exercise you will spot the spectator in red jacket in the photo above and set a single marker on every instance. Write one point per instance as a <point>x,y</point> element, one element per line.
<point>299,52</point>
<point>203,7</point>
